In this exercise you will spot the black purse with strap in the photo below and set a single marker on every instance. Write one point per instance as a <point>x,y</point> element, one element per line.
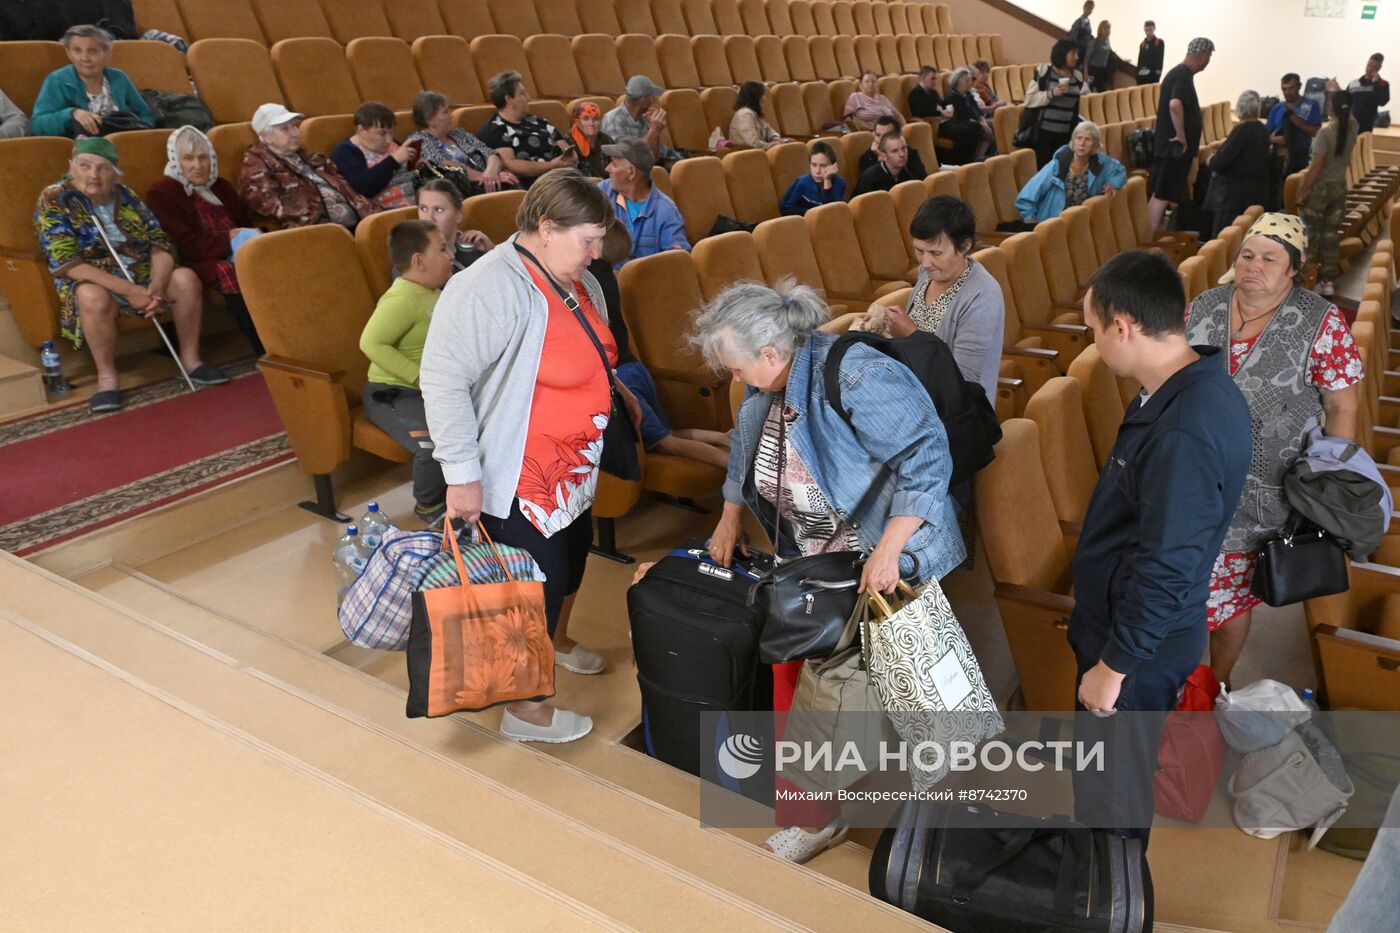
<point>619,456</point>
<point>1303,562</point>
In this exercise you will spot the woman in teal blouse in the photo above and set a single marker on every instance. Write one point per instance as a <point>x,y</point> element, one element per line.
<point>75,99</point>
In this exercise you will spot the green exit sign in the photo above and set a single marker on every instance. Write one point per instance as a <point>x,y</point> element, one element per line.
<point>1368,11</point>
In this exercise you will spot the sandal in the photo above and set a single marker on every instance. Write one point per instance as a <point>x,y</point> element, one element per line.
<point>797,845</point>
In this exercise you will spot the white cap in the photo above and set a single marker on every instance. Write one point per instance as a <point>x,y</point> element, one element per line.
<point>269,115</point>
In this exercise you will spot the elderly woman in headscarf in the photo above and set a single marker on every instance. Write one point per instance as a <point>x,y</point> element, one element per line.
<point>205,217</point>
<point>589,139</point>
<point>283,181</point>
<point>109,256</point>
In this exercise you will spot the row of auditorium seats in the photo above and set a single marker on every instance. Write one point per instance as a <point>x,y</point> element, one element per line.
<point>320,76</point>
<point>270,21</point>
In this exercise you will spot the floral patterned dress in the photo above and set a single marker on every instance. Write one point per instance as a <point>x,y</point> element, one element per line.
<point>1333,364</point>
<point>68,235</point>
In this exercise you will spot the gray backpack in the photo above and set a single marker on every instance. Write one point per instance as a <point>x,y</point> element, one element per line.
<point>1299,782</point>
<point>172,111</point>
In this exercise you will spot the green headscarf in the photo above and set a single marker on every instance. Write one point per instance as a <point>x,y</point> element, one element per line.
<point>98,146</point>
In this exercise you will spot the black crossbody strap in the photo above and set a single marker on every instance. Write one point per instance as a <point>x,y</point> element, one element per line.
<point>572,304</point>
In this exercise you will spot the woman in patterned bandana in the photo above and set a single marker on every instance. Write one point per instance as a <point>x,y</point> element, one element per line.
<point>1292,356</point>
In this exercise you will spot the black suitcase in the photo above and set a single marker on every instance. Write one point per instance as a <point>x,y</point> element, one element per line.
<point>696,645</point>
<point>952,865</point>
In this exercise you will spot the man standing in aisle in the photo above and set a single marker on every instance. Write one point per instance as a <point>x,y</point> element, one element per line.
<point>1369,93</point>
<point>1159,513</point>
<point>1151,53</point>
<point>1293,122</point>
<point>1082,32</point>
<point>1178,131</point>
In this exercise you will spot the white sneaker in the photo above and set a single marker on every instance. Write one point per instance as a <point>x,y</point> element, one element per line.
<point>797,845</point>
<point>580,660</point>
<point>566,726</point>
<point>1326,289</point>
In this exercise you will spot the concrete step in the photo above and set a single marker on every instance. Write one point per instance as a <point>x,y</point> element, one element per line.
<point>21,388</point>
<point>578,785</point>
<point>444,793</point>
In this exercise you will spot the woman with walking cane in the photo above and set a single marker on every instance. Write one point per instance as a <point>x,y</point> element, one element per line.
<point>109,257</point>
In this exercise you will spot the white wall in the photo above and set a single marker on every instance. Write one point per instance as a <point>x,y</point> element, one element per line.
<point>1256,41</point>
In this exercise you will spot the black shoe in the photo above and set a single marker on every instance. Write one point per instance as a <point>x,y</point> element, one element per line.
<point>108,400</point>
<point>206,375</point>
<point>430,517</point>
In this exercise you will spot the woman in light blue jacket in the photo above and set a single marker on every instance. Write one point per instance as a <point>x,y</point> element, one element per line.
<point>1074,174</point>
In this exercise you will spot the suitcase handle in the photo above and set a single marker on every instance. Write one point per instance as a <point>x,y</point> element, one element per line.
<point>828,584</point>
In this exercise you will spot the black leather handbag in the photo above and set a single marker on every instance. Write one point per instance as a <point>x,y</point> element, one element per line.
<point>619,456</point>
<point>805,602</point>
<point>1303,562</point>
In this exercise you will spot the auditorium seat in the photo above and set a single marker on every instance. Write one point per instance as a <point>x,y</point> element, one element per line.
<point>822,17</point>
<point>314,368</point>
<point>595,57</point>
<point>785,110</point>
<point>823,55</point>
<point>701,193</point>
<point>797,54</point>
<point>492,55</point>
<point>863,12</point>
<point>685,120</point>
<point>710,61</point>
<point>220,19</point>
<point>555,112</point>
<point>634,16</point>
<point>383,70</point>
<point>1103,403</point>
<point>943,182</point>
<point>595,16</point>
<point>840,91</point>
<point>919,136</point>
<point>699,20</point>
<point>1193,276</point>
<point>551,61</point>
<point>742,59</point>
<point>472,119</point>
<point>234,77</point>
<point>1101,227</point>
<point>754,14</point>
<point>816,100</point>
<point>899,20</point>
<point>315,76</point>
<point>771,62</point>
<point>1029,562</point>
<point>750,184</point>
<point>924,46</point>
<point>669,17</point>
<point>354,19</point>
<point>1135,189</point>
<point>890,85</point>
<point>908,197</point>
<point>636,55</point>
<point>719,106</point>
<point>975,185</point>
<point>799,12</point>
<point>843,16</point>
<point>1052,236</point>
<point>943,20</point>
<point>466,19</point>
<point>867,54</point>
<point>413,19</point>
<point>493,213</point>
<point>515,18</point>
<point>290,19</point>
<point>230,141</point>
<point>1059,327</point>
<point>1035,363</point>
<point>323,134</point>
<point>722,260</point>
<point>849,149</point>
<point>1001,175</point>
<point>1084,257</point>
<point>24,66</point>
<point>785,249</point>
<point>787,162</point>
<point>31,165</point>
<point>881,245</point>
<point>161,14</point>
<point>143,157</point>
<point>677,63</point>
<point>1067,455</point>
<point>729,20</point>
<point>372,246</point>
<point>889,55</point>
<point>1005,122</point>
<point>444,65</point>
<point>843,269</point>
<point>847,61</point>
<point>659,294</point>
<point>151,64</point>
<point>942,55</point>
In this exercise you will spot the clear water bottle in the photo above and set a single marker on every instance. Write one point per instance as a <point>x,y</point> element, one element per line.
<point>373,526</point>
<point>1309,699</point>
<point>52,365</point>
<point>350,557</point>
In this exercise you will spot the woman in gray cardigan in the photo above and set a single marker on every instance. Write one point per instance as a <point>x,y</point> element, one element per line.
<point>954,298</point>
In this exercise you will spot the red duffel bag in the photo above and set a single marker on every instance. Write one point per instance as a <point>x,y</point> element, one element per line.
<point>1192,753</point>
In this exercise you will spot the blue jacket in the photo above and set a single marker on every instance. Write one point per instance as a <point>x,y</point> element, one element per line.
<point>1157,519</point>
<point>62,92</point>
<point>1044,195</point>
<point>804,194</point>
<point>658,227</point>
<point>891,460</point>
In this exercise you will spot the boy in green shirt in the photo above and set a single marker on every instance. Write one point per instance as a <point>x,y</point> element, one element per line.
<point>393,340</point>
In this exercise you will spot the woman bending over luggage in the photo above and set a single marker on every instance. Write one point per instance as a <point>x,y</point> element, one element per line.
<point>878,484</point>
<point>517,400</point>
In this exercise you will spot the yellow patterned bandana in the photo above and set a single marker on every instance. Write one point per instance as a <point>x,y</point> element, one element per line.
<point>1285,227</point>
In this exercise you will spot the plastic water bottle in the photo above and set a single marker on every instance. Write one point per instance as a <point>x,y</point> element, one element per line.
<point>1309,699</point>
<point>373,526</point>
<point>52,366</point>
<point>350,557</point>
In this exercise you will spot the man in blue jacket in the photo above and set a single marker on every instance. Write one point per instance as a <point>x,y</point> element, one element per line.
<point>652,218</point>
<point>1153,527</point>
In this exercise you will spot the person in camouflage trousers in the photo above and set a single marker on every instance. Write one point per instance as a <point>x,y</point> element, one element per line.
<point>1322,195</point>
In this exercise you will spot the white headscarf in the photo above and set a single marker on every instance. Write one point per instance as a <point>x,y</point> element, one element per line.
<point>173,169</point>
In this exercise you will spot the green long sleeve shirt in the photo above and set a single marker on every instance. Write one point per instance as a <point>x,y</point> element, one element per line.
<point>393,337</point>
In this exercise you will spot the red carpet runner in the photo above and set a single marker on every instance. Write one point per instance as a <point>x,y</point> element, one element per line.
<point>66,472</point>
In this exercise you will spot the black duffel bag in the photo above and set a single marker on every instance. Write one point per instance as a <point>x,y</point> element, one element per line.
<point>953,865</point>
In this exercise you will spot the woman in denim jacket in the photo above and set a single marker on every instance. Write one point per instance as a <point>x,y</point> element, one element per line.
<point>878,484</point>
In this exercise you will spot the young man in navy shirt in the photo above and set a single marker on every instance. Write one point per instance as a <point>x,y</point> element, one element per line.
<point>1152,530</point>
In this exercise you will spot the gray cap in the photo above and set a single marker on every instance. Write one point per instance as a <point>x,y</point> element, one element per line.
<point>1199,46</point>
<point>642,86</point>
<point>634,150</point>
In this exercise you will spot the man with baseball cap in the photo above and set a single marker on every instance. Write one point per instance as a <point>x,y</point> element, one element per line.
<point>641,116</point>
<point>1178,130</point>
<point>652,218</point>
<point>281,180</point>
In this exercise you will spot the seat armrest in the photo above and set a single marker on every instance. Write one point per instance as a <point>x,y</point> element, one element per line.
<point>299,368</point>
<point>704,380</point>
<point>1035,598</point>
<point>1034,353</point>
<point>1068,330</point>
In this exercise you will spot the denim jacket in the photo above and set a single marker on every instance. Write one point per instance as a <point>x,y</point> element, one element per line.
<point>892,460</point>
